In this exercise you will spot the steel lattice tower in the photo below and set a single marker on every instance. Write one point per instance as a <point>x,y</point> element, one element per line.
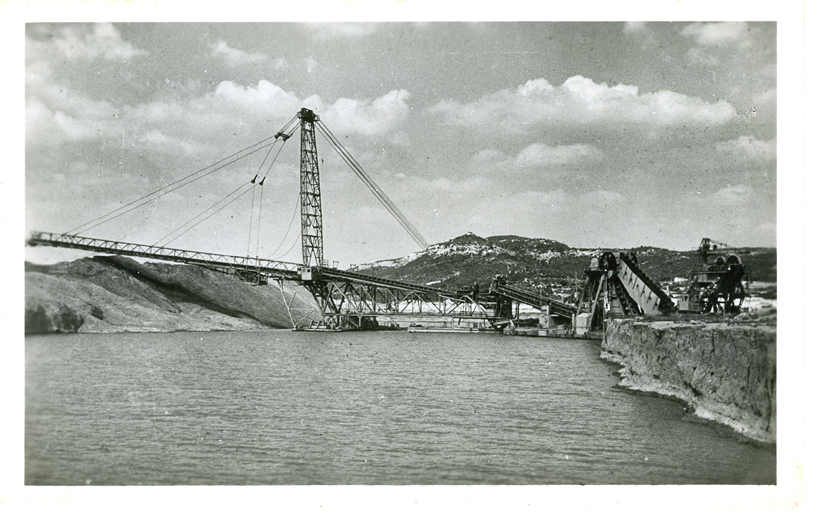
<point>310,199</point>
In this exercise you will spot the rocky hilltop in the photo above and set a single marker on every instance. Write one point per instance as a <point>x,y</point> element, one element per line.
<point>534,262</point>
<point>117,294</point>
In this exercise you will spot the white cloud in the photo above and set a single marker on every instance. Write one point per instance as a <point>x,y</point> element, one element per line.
<point>635,27</point>
<point>372,117</point>
<point>105,41</point>
<point>717,34</point>
<point>581,101</point>
<point>536,156</point>
<point>699,56</point>
<point>541,155</point>
<point>235,57</point>
<point>264,99</point>
<point>368,117</point>
<point>42,125</point>
<point>747,147</point>
<point>158,140</point>
<point>325,31</point>
<point>731,195</point>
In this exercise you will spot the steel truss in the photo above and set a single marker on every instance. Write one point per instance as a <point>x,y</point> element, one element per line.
<point>223,261</point>
<point>348,304</point>
<point>310,196</point>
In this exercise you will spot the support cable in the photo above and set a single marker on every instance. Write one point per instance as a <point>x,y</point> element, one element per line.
<point>162,191</point>
<point>234,157</point>
<point>251,219</point>
<point>285,137</point>
<point>296,242</point>
<point>210,215</point>
<point>290,224</point>
<point>383,198</point>
<point>259,218</point>
<point>375,189</point>
<point>148,199</point>
<point>224,198</point>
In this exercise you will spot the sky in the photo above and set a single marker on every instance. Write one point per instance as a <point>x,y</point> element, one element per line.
<point>593,134</point>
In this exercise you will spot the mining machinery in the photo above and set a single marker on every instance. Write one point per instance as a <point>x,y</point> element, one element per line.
<point>616,287</point>
<point>717,287</point>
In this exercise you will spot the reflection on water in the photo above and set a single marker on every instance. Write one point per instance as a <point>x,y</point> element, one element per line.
<point>280,407</point>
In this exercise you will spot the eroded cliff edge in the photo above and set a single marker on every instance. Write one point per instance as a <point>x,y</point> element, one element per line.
<point>725,371</point>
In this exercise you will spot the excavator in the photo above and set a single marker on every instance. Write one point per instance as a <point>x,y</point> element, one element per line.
<point>717,287</point>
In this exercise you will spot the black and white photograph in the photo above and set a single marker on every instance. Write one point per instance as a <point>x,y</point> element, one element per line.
<point>306,254</point>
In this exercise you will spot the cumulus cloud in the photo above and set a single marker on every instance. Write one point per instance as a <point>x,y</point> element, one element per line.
<point>732,195</point>
<point>635,27</point>
<point>536,156</point>
<point>717,34</point>
<point>159,140</point>
<point>747,147</point>
<point>540,155</point>
<point>581,101</point>
<point>368,117</point>
<point>104,41</point>
<point>265,98</point>
<point>233,56</point>
<point>325,31</point>
<point>699,56</point>
<point>372,117</point>
<point>57,114</point>
<point>44,126</point>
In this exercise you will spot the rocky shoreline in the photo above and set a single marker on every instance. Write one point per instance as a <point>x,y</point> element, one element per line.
<point>724,372</point>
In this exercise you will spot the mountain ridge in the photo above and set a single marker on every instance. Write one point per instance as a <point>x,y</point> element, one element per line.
<point>534,262</point>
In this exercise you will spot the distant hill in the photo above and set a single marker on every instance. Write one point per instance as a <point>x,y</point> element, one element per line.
<point>533,262</point>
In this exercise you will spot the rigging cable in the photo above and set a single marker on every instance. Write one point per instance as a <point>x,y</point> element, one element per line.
<point>378,192</point>
<point>291,223</point>
<point>251,219</point>
<point>196,216</point>
<point>262,181</point>
<point>296,240</point>
<point>147,199</point>
<point>211,214</point>
<point>97,221</point>
<point>454,276</point>
<point>259,218</point>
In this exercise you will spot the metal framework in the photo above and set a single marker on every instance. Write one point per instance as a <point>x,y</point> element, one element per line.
<point>310,198</point>
<point>535,300</point>
<point>616,287</point>
<point>236,263</point>
<point>350,300</point>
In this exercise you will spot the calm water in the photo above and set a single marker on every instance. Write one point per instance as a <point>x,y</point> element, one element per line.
<point>281,407</point>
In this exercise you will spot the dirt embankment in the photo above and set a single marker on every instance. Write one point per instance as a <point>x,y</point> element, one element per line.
<point>726,372</point>
<point>117,294</point>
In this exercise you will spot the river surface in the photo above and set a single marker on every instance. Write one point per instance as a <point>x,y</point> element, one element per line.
<point>281,407</point>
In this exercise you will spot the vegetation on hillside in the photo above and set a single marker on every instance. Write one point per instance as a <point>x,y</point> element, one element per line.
<point>539,262</point>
